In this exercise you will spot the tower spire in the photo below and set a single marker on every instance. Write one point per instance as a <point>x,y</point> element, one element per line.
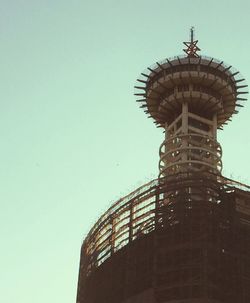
<point>192,47</point>
<point>192,34</point>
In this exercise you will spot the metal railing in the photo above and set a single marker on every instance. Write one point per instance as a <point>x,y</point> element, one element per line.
<point>128,219</point>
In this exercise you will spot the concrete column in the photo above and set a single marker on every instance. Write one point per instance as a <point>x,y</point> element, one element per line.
<point>214,131</point>
<point>184,129</point>
<point>185,118</point>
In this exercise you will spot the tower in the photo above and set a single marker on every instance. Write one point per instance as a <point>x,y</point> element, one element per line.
<point>190,97</point>
<point>184,237</point>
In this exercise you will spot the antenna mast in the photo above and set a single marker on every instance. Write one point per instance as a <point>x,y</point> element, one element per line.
<point>192,34</point>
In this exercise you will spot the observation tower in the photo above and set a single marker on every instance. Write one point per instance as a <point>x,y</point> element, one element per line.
<point>184,237</point>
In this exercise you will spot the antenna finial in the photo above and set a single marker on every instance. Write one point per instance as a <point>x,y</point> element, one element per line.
<point>192,47</point>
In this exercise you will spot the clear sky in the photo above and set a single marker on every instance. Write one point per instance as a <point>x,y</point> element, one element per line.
<point>73,139</point>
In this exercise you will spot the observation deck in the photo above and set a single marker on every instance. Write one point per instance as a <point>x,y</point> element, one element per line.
<point>208,85</point>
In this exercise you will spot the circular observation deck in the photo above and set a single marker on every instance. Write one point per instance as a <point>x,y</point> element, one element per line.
<point>208,86</point>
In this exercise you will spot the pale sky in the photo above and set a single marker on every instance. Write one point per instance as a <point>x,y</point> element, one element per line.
<point>73,139</point>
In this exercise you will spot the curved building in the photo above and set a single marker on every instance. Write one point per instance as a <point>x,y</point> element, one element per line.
<point>184,237</point>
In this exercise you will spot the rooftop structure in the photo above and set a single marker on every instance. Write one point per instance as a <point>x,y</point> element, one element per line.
<point>184,237</point>
<point>191,97</point>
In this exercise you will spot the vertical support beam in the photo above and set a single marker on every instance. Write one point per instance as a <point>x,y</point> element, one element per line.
<point>131,212</point>
<point>165,145</point>
<point>184,117</point>
<point>214,131</point>
<point>112,239</point>
<point>184,129</point>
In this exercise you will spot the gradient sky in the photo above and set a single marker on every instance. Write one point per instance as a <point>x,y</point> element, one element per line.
<point>73,139</point>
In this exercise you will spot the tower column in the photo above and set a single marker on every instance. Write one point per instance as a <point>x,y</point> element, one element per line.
<point>190,145</point>
<point>185,130</point>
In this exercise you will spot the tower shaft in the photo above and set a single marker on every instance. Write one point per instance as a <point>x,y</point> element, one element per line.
<point>190,144</point>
